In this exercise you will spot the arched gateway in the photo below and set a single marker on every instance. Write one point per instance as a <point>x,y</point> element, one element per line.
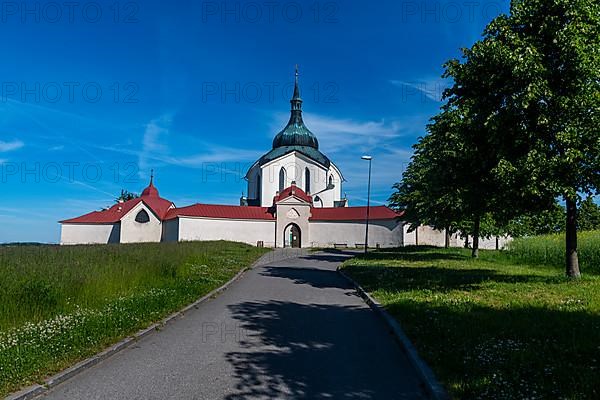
<point>292,236</point>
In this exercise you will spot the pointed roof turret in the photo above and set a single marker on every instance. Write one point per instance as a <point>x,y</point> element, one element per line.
<point>296,133</point>
<point>150,190</point>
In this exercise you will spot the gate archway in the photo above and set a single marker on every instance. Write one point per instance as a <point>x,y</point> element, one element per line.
<point>292,236</point>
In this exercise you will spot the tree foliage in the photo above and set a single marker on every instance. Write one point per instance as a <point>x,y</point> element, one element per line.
<point>588,218</point>
<point>520,126</point>
<point>126,196</point>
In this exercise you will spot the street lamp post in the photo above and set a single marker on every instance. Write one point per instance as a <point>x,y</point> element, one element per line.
<point>369,159</point>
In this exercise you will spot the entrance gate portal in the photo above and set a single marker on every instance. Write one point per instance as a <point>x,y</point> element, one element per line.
<point>291,236</point>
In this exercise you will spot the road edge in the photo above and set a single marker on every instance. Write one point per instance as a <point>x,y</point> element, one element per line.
<point>432,385</point>
<point>33,391</point>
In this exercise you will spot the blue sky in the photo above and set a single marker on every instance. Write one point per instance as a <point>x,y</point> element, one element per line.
<point>95,95</point>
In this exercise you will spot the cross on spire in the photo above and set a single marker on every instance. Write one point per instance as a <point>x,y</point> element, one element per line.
<point>151,176</point>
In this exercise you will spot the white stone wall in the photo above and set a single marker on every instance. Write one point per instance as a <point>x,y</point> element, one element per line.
<point>246,231</point>
<point>427,236</point>
<point>89,233</point>
<point>385,233</point>
<point>490,243</point>
<point>295,165</point>
<point>136,232</point>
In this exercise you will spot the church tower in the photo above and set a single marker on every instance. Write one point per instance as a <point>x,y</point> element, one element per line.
<point>295,158</point>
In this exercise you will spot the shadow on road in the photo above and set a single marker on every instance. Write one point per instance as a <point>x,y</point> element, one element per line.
<point>316,351</point>
<point>314,277</point>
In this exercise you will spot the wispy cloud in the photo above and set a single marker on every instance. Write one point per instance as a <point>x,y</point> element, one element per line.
<point>339,134</point>
<point>154,142</point>
<point>10,146</point>
<point>214,154</point>
<point>156,151</point>
<point>422,89</point>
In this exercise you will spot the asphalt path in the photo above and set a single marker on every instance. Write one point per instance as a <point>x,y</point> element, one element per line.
<point>288,329</point>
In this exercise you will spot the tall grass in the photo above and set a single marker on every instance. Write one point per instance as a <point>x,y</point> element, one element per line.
<point>491,328</point>
<point>550,250</point>
<point>60,304</point>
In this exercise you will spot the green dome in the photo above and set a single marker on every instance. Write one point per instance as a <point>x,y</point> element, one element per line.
<point>296,133</point>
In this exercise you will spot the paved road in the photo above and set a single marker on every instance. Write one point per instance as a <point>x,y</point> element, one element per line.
<point>289,329</point>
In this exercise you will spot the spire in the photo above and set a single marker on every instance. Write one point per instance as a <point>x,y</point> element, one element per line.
<point>296,95</point>
<point>151,176</point>
<point>296,100</point>
<point>296,133</point>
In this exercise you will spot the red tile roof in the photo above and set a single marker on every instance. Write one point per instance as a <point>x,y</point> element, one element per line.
<point>352,213</point>
<point>293,191</point>
<point>149,197</point>
<point>221,211</point>
<point>158,205</point>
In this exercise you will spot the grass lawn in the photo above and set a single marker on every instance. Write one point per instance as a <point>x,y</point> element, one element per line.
<point>60,304</point>
<point>492,328</point>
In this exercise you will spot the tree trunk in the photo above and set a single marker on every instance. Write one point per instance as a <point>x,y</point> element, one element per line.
<point>417,236</point>
<point>476,225</point>
<point>447,241</point>
<point>466,241</point>
<point>571,240</point>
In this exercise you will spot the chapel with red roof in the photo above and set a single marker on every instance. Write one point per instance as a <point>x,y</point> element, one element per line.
<point>294,200</point>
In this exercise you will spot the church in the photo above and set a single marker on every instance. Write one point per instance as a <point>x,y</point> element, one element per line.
<point>294,199</point>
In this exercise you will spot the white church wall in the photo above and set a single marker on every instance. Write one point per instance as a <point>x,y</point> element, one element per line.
<point>328,197</point>
<point>245,231</point>
<point>385,233</point>
<point>136,232</point>
<point>89,233</point>
<point>295,165</point>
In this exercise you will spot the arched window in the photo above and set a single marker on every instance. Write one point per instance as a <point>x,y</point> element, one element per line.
<point>282,178</point>
<point>142,217</point>
<point>330,180</point>
<point>307,180</point>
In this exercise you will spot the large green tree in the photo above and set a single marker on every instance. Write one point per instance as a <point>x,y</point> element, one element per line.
<point>423,194</point>
<point>554,103</point>
<point>525,112</point>
<point>450,183</point>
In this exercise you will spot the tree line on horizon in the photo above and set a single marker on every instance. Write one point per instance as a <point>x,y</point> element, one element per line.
<point>518,132</point>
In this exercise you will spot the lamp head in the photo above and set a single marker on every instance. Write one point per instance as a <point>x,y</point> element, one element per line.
<point>368,158</point>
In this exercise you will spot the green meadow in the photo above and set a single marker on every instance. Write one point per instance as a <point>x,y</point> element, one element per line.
<point>508,325</point>
<point>60,304</point>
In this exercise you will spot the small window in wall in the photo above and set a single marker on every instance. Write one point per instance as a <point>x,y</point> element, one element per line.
<point>307,180</point>
<point>330,180</point>
<point>282,179</point>
<point>142,217</point>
